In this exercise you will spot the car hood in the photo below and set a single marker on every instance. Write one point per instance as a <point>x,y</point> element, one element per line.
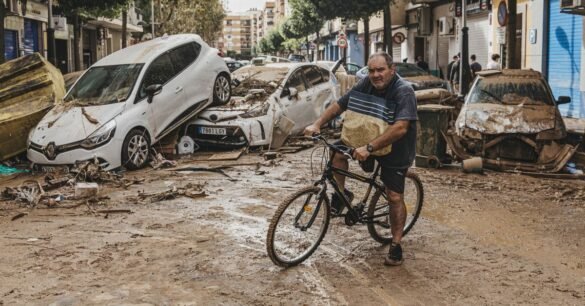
<point>237,106</point>
<point>495,119</point>
<point>425,82</point>
<point>65,124</point>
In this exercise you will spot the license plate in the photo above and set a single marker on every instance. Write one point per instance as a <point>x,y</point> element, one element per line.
<point>212,131</point>
<point>55,169</point>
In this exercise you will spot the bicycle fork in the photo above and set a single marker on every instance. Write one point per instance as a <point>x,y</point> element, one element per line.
<point>308,209</point>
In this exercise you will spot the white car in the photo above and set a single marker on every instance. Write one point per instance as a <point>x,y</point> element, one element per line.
<point>128,101</point>
<point>275,99</point>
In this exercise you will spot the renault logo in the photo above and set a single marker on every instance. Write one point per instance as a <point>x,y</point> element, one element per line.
<point>51,151</point>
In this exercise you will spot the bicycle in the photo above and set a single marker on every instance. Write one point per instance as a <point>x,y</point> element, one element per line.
<point>311,215</point>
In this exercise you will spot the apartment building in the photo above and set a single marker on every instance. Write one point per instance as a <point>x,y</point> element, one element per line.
<point>238,34</point>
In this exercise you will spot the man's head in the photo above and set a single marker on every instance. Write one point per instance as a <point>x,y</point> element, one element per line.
<point>495,57</point>
<point>419,58</point>
<point>381,70</point>
<point>472,57</point>
<point>455,57</point>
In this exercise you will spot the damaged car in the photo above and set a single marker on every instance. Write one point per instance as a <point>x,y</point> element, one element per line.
<point>510,119</point>
<point>128,101</point>
<point>415,76</point>
<point>270,103</point>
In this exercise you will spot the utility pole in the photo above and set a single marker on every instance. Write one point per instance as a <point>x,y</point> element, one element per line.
<point>152,18</point>
<point>51,35</point>
<point>464,70</point>
<point>387,29</point>
<point>511,60</point>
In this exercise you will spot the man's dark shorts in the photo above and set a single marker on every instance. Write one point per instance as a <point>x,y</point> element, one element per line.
<point>393,178</point>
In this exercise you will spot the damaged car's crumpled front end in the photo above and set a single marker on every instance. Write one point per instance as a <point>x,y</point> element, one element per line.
<point>511,121</point>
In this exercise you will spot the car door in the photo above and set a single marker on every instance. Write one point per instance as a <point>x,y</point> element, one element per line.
<point>321,90</point>
<point>296,108</point>
<point>164,105</point>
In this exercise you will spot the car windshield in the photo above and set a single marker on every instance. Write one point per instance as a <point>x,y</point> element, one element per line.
<point>409,70</point>
<point>510,91</point>
<point>104,85</point>
<point>258,77</point>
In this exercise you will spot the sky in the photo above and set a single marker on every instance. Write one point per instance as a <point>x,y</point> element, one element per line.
<point>244,5</point>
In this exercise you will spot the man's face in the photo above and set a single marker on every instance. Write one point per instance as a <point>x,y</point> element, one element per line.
<point>379,73</point>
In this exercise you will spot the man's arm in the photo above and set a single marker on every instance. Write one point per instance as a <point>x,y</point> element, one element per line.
<point>331,112</point>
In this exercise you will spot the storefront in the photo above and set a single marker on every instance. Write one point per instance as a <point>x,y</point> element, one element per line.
<point>564,65</point>
<point>10,44</point>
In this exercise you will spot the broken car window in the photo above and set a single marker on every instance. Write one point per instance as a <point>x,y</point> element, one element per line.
<point>160,72</point>
<point>510,91</point>
<point>296,81</point>
<point>313,76</point>
<point>104,85</point>
<point>409,70</point>
<point>253,78</point>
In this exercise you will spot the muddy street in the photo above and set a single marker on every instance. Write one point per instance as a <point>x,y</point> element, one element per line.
<point>487,239</point>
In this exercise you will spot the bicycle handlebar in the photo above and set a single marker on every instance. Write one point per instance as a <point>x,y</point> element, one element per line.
<point>345,150</point>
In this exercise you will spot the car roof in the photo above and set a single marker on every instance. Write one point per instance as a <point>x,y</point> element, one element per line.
<point>512,73</point>
<point>288,65</point>
<point>148,50</point>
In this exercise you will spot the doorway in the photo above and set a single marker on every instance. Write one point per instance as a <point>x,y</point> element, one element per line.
<point>419,48</point>
<point>519,41</point>
<point>62,55</point>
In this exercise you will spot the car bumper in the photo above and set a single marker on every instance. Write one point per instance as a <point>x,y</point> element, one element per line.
<point>109,156</point>
<point>238,133</point>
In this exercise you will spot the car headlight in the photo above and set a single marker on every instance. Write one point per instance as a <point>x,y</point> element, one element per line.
<point>257,111</point>
<point>100,136</point>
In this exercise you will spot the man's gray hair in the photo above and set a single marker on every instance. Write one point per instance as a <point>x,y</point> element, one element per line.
<point>385,55</point>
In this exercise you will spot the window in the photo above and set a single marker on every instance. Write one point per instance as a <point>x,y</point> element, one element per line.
<point>184,56</point>
<point>325,74</point>
<point>313,76</point>
<point>160,72</point>
<point>296,81</point>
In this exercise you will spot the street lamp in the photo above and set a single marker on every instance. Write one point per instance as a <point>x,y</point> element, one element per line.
<point>464,70</point>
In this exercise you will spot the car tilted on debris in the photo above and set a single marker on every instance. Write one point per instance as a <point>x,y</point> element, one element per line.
<point>414,75</point>
<point>270,102</point>
<point>129,100</point>
<point>510,119</point>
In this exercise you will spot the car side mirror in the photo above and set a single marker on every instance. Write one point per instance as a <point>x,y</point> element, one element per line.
<point>152,90</point>
<point>293,92</point>
<point>564,100</point>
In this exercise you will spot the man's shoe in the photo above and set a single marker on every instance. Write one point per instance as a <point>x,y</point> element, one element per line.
<point>337,204</point>
<point>394,257</point>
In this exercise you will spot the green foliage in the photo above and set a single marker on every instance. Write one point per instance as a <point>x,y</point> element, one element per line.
<point>292,44</point>
<point>305,19</point>
<point>93,8</point>
<point>286,30</point>
<point>330,9</point>
<point>264,46</point>
<point>203,17</point>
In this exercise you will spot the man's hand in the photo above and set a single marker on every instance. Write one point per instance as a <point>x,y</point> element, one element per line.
<point>361,153</point>
<point>312,130</point>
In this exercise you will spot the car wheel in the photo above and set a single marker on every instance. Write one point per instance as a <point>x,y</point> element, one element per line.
<point>135,149</point>
<point>222,90</point>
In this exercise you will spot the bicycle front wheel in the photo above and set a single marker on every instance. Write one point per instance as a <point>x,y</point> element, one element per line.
<point>379,224</point>
<point>298,227</point>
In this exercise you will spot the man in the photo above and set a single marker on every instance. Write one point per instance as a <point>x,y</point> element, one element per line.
<point>420,62</point>
<point>494,63</point>
<point>383,83</point>
<point>454,77</point>
<point>450,67</point>
<point>475,66</point>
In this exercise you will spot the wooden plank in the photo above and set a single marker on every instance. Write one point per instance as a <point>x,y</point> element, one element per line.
<point>226,156</point>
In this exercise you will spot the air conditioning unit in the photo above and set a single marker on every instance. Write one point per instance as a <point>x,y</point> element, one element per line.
<point>446,26</point>
<point>569,4</point>
<point>60,23</point>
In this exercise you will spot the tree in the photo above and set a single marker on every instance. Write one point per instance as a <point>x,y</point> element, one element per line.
<point>82,10</point>
<point>330,9</point>
<point>305,20</point>
<point>203,17</point>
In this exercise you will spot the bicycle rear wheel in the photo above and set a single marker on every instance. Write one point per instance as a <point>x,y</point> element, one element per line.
<point>379,209</point>
<point>298,227</point>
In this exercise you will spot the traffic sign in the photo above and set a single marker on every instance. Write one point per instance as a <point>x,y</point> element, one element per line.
<point>342,42</point>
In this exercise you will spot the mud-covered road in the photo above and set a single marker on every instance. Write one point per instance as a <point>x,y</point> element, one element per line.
<point>486,239</point>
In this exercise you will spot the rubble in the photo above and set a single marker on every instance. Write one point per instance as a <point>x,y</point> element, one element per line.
<point>193,191</point>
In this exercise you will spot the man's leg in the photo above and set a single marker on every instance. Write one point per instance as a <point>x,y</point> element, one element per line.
<point>340,161</point>
<point>394,179</point>
<point>397,214</point>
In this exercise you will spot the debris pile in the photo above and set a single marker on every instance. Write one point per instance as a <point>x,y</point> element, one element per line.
<point>193,191</point>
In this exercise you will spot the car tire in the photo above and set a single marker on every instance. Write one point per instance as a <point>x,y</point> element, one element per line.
<point>135,149</point>
<point>222,89</point>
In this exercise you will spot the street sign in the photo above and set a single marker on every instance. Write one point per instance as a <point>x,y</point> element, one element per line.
<point>342,42</point>
<point>312,46</point>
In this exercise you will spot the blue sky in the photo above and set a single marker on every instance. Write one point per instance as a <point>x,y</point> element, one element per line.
<point>244,5</point>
